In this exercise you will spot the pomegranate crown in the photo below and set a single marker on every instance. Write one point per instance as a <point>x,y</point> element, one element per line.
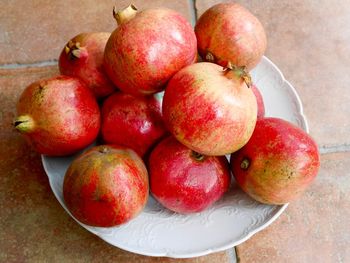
<point>73,49</point>
<point>240,71</point>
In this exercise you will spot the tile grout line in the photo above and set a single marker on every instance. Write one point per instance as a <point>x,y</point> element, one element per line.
<point>29,65</point>
<point>334,149</point>
<point>193,15</point>
<point>237,256</point>
<point>193,11</point>
<point>232,255</point>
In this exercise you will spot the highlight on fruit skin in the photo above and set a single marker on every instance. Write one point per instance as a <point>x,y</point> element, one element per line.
<point>147,48</point>
<point>277,164</point>
<point>185,181</point>
<point>82,57</point>
<point>209,109</point>
<point>106,186</point>
<point>229,32</point>
<point>135,122</point>
<point>58,116</point>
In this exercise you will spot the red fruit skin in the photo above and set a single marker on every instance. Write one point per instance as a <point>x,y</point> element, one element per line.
<point>283,161</point>
<point>89,65</point>
<point>231,33</point>
<point>184,184</point>
<point>65,114</point>
<point>144,53</point>
<point>260,102</point>
<point>135,122</point>
<point>106,186</point>
<point>209,110</point>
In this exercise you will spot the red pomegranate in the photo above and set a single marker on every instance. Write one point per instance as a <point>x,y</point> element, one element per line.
<point>229,32</point>
<point>277,164</point>
<point>82,57</point>
<point>148,48</point>
<point>58,116</point>
<point>260,102</point>
<point>210,109</point>
<point>185,181</point>
<point>135,122</point>
<point>106,186</point>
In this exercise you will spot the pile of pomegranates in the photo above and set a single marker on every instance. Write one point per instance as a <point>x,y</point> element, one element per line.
<point>162,121</point>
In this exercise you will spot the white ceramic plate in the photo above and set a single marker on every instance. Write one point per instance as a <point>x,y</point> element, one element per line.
<point>231,221</point>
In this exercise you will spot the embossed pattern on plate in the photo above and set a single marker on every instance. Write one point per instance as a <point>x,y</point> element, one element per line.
<point>229,222</point>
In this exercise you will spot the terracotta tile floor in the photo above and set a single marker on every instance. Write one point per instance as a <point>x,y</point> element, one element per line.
<point>308,40</point>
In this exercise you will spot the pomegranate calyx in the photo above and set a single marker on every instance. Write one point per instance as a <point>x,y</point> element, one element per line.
<point>73,49</point>
<point>124,15</point>
<point>197,156</point>
<point>24,123</point>
<point>210,57</point>
<point>104,149</point>
<point>245,164</point>
<point>239,71</point>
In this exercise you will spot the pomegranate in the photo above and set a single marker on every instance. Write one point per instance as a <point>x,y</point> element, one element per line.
<point>210,109</point>
<point>260,102</point>
<point>148,48</point>
<point>106,186</point>
<point>58,116</point>
<point>185,181</point>
<point>82,57</point>
<point>277,164</point>
<point>135,122</point>
<point>229,32</point>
